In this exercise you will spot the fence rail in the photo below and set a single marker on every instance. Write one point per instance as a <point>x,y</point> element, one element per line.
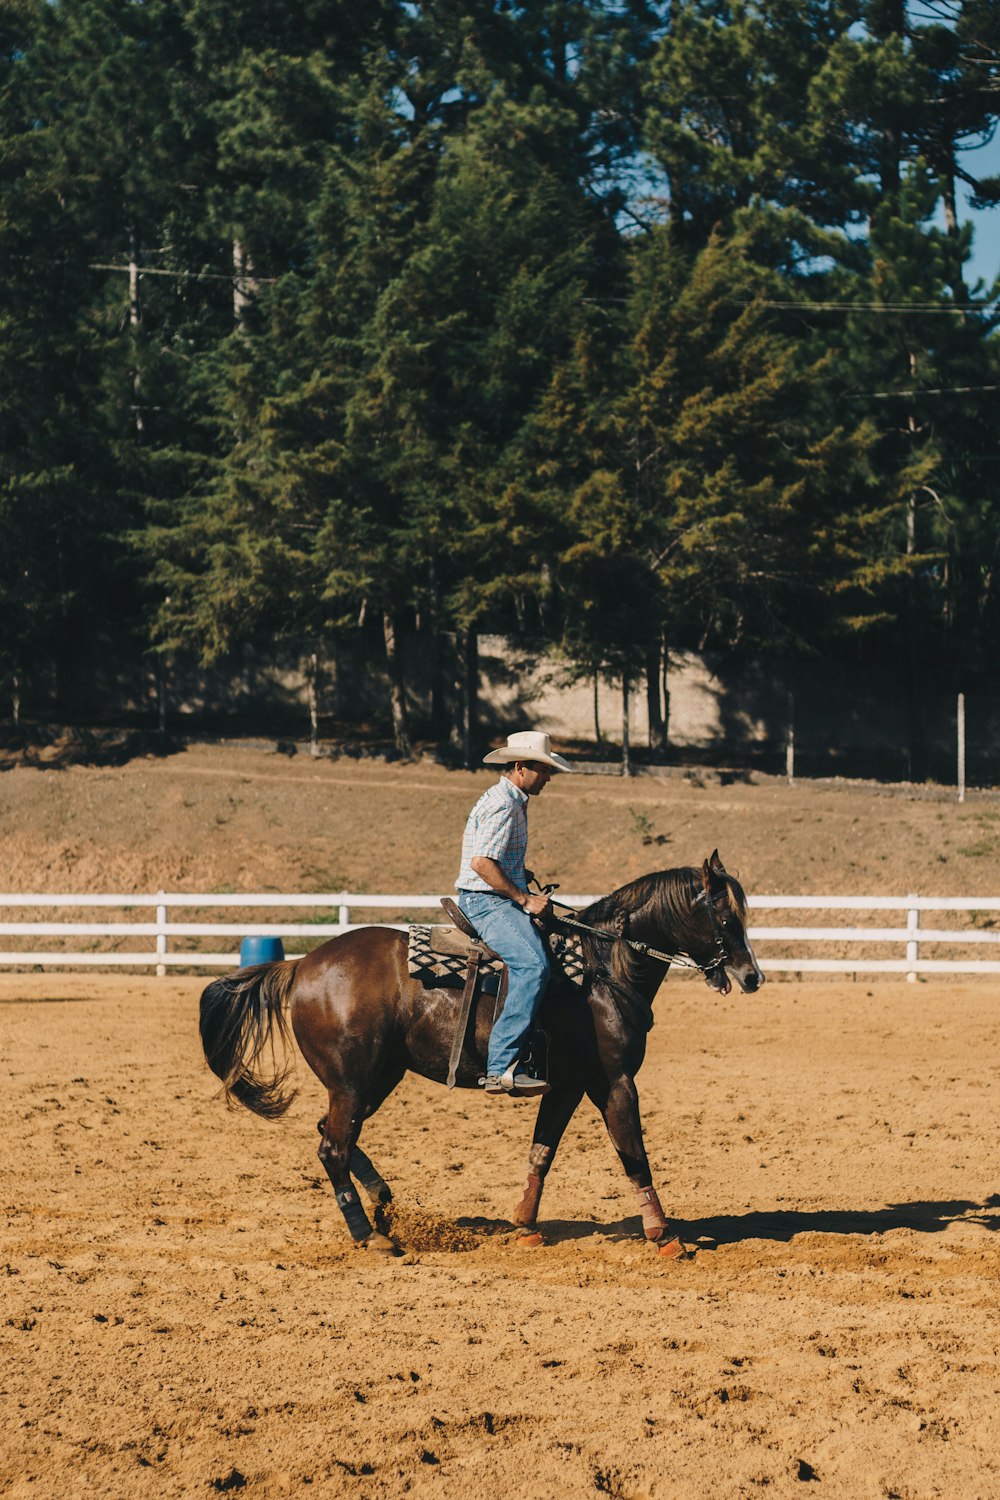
<point>910,938</point>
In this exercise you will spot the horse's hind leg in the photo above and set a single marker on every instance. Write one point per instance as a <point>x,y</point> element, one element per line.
<point>554,1114</point>
<point>364,1171</point>
<point>619,1104</point>
<point>337,1150</point>
<point>360,1166</point>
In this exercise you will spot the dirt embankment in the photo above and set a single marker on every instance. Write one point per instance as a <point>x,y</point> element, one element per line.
<point>209,819</point>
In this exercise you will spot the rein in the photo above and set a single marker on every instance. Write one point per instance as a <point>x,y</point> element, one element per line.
<point>684,961</point>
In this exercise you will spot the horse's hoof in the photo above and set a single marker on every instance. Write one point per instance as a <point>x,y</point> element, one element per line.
<point>530,1239</point>
<point>378,1242</point>
<point>672,1249</point>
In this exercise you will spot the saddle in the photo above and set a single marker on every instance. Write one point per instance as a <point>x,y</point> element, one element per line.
<point>438,955</point>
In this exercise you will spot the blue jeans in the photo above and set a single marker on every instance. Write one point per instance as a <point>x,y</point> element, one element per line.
<point>510,932</point>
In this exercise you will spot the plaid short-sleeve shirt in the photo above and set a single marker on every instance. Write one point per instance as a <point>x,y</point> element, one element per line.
<point>497,829</point>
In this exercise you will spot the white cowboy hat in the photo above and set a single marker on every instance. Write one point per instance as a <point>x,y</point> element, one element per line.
<point>529,744</point>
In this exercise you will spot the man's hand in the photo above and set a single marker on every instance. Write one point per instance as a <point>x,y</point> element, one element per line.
<point>536,905</point>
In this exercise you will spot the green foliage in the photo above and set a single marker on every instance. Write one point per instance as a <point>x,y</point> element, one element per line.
<point>496,317</point>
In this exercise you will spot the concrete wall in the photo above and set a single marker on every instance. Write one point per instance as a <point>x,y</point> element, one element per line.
<point>546,694</point>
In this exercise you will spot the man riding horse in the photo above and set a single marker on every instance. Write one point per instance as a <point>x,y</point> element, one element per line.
<point>362,1020</point>
<point>493,893</point>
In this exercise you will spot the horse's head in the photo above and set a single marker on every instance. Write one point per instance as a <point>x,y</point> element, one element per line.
<point>725,907</point>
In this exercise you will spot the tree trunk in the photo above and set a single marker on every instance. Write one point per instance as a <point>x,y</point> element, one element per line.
<point>597,695</point>
<point>887,18</point>
<point>949,204</point>
<point>244,285</point>
<point>246,678</point>
<point>135,325</point>
<point>439,684</point>
<point>397,689</point>
<point>916,756</point>
<point>312,678</point>
<point>657,727</point>
<point>469,657</point>
<point>15,698</point>
<point>439,656</point>
<point>626,741</point>
<point>161,697</point>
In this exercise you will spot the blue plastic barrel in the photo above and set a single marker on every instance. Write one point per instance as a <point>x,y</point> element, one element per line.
<point>260,950</point>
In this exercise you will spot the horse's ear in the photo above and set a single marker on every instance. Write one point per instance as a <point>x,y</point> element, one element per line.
<point>715,864</point>
<point>706,875</point>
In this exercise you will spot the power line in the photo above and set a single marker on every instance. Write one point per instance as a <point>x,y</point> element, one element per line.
<point>184,275</point>
<point>889,309</point>
<point>939,390</point>
<point>885,308</point>
<point>233,278</point>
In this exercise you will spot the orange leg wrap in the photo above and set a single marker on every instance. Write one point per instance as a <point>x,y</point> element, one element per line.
<point>526,1211</point>
<point>654,1220</point>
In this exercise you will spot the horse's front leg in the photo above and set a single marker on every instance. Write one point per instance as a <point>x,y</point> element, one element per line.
<point>619,1105</point>
<point>554,1114</point>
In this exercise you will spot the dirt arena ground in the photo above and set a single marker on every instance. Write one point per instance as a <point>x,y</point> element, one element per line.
<point>182,1313</point>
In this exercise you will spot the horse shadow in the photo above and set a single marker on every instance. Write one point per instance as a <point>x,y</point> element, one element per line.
<point>783,1225</point>
<point>779,1226</point>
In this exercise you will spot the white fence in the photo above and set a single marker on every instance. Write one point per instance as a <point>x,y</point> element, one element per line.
<point>912,936</point>
<point>334,916</point>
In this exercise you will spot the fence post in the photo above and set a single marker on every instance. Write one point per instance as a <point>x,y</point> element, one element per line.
<point>161,936</point>
<point>345,913</point>
<point>961,747</point>
<point>790,743</point>
<point>913,940</point>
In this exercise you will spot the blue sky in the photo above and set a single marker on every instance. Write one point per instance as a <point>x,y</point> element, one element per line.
<point>985,261</point>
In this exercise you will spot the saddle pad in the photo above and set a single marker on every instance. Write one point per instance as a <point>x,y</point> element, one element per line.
<point>566,949</point>
<point>428,964</point>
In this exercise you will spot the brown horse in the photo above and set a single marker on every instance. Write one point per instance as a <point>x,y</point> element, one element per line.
<point>361,1022</point>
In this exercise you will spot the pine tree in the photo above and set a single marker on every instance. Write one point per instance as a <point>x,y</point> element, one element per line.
<point>59,516</point>
<point>734,115</point>
<point>715,501</point>
<point>227,546</point>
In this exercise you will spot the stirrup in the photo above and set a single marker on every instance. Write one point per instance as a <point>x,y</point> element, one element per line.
<point>517,1085</point>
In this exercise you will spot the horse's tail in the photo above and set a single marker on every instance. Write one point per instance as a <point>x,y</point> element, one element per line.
<point>240,1016</point>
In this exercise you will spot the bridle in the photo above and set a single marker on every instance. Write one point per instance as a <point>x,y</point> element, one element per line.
<point>721,954</point>
<point>682,960</point>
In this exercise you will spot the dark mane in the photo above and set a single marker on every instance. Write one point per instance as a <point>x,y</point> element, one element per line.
<point>662,904</point>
